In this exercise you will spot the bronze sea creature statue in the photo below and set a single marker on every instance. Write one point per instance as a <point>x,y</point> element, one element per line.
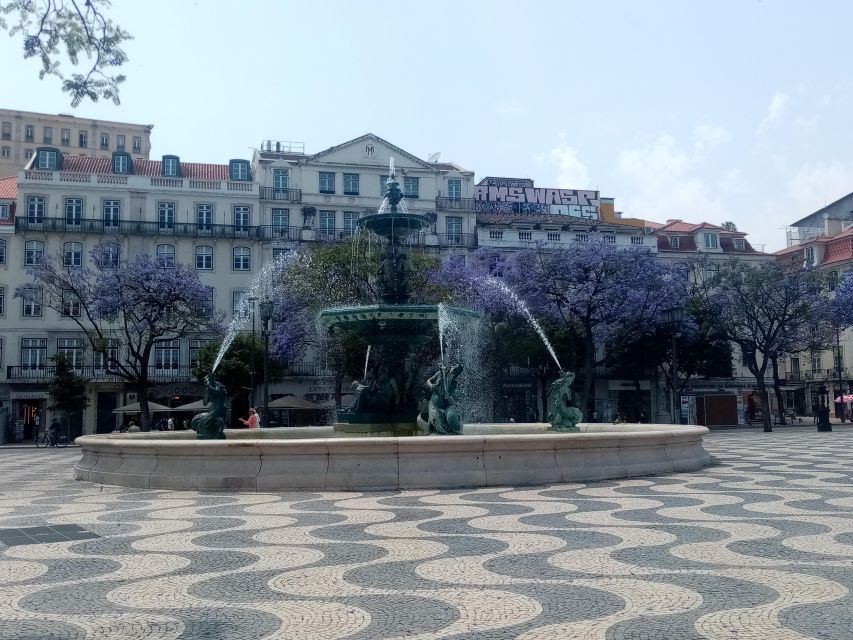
<point>211,425</point>
<point>563,415</point>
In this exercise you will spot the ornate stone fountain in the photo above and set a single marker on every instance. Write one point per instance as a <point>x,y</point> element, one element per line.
<point>403,337</point>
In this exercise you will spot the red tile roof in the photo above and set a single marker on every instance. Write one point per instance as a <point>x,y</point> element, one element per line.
<point>152,168</point>
<point>840,250</point>
<point>8,188</point>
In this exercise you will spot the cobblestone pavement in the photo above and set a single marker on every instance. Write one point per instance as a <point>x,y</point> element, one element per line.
<point>758,546</point>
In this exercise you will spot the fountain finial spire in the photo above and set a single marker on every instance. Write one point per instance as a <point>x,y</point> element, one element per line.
<point>393,195</point>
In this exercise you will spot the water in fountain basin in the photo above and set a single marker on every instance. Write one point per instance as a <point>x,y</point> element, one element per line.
<point>261,287</point>
<point>522,307</point>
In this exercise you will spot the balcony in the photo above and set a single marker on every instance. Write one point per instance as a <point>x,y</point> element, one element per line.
<point>44,374</point>
<point>142,182</point>
<point>444,203</point>
<point>307,370</point>
<point>281,195</point>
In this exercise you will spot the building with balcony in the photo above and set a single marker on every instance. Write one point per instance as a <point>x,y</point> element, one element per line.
<point>227,220</point>
<point>21,132</point>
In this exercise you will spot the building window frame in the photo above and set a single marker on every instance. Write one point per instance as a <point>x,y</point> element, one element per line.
<point>165,256</point>
<point>32,299</point>
<point>411,187</point>
<point>242,218</point>
<point>2,251</point>
<point>280,219</point>
<point>33,253</point>
<point>326,182</point>
<point>73,211</point>
<point>36,206</point>
<point>454,189</point>
<point>72,254</point>
<point>241,258</point>
<point>204,216</point>
<point>6,131</point>
<point>739,244</point>
<point>29,133</point>
<point>120,142</point>
<point>327,219</point>
<point>65,137</point>
<point>166,215</point>
<point>204,258</point>
<point>48,160</point>
<point>710,241</point>
<point>351,181</point>
<point>83,139</point>
<point>280,179</point>
<point>110,255</point>
<point>137,144</point>
<point>47,135</point>
<point>238,171</point>
<point>33,353</point>
<point>111,210</point>
<point>105,141</point>
<point>350,223</point>
<point>70,305</point>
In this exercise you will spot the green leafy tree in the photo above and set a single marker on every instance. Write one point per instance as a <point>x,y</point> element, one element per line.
<point>67,390</point>
<point>80,28</point>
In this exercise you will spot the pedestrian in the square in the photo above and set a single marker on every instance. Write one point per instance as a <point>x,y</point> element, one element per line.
<point>252,421</point>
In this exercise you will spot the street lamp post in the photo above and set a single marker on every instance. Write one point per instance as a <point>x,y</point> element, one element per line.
<point>673,317</point>
<point>252,301</point>
<point>838,369</point>
<point>266,308</point>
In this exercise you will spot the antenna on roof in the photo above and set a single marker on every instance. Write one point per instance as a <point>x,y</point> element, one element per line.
<point>433,157</point>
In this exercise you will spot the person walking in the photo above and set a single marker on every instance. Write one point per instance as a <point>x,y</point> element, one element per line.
<point>252,421</point>
<point>170,424</point>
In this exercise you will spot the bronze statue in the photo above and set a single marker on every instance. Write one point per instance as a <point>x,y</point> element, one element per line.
<point>441,415</point>
<point>211,425</point>
<point>563,415</point>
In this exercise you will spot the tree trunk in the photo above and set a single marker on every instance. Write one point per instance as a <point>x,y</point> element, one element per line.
<point>145,414</point>
<point>774,362</point>
<point>765,401</point>
<point>544,391</point>
<point>587,393</point>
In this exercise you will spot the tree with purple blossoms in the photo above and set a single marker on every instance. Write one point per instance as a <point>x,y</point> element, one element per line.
<point>125,308</point>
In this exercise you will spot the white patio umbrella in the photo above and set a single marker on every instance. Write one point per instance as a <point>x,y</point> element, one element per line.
<point>197,406</point>
<point>134,407</point>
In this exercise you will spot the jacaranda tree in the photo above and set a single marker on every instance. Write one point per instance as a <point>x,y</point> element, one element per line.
<point>125,307</point>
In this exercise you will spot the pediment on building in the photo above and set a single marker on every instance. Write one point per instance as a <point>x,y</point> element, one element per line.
<point>368,150</point>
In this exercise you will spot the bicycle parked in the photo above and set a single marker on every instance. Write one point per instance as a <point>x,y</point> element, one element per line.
<point>51,437</point>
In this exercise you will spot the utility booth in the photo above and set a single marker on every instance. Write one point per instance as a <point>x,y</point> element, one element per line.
<point>713,409</point>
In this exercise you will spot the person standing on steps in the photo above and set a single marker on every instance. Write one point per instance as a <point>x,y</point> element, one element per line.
<point>252,421</point>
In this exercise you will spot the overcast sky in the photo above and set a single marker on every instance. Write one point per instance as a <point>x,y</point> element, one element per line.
<point>705,111</point>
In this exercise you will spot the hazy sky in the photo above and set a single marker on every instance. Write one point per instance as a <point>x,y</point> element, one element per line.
<point>711,111</point>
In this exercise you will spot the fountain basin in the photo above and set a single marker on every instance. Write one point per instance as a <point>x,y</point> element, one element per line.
<point>487,455</point>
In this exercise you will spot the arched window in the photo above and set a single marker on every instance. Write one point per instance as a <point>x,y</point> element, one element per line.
<point>204,258</point>
<point>242,259</point>
<point>33,252</point>
<point>166,255</point>
<point>72,254</point>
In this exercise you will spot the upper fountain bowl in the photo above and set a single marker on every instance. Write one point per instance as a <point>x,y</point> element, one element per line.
<point>396,224</point>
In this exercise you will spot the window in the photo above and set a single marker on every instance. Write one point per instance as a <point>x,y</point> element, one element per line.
<point>65,137</point>
<point>167,354</point>
<point>33,252</point>
<point>112,211</point>
<point>238,170</point>
<point>5,152</point>
<point>2,301</point>
<point>33,353</point>
<point>454,188</point>
<point>280,222</point>
<point>581,237</point>
<point>237,301</point>
<point>28,153</point>
<point>454,230</point>
<point>795,368</point>
<point>2,252</point>
<point>552,236</point>
<point>383,185</point>
<point>609,238</point>
<point>637,240</point>
<point>525,236</point>
<point>73,211</point>
<point>70,305</point>
<point>47,135</point>
<point>832,280</point>
<point>350,223</point>
<point>709,240</point>
<point>110,254</point>
<point>711,270</point>
<point>280,179</point>
<point>496,234</point>
<point>204,216</point>
<point>204,258</point>
<point>242,259</point>
<point>72,254</point>
<point>6,131</point>
<point>327,225</point>
<point>277,252</point>
<point>810,261</point>
<point>241,219</point>
<point>29,133</point>
<point>48,159</point>
<point>838,357</point>
<point>4,211</point>
<point>119,142</point>
<point>137,144</point>
<point>83,139</point>
<point>121,163</point>
<point>675,243</point>
<point>166,215</point>
<point>32,300</point>
<point>105,141</point>
<point>327,182</point>
<point>739,244</point>
<point>195,347</point>
<point>350,184</point>
<point>171,166</point>
<point>166,255</point>
<point>109,356</point>
<point>35,209</point>
<point>410,187</point>
<point>815,361</point>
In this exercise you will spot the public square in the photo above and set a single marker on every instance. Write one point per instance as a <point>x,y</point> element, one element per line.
<point>760,545</point>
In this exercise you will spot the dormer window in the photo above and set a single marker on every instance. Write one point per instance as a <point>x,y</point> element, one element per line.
<point>739,244</point>
<point>122,163</point>
<point>238,170</point>
<point>675,243</point>
<point>48,159</point>
<point>171,166</point>
<point>710,240</point>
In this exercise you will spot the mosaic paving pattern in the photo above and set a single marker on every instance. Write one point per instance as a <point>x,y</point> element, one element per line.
<point>759,546</point>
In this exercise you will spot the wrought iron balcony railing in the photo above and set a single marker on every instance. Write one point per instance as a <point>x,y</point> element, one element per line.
<point>37,373</point>
<point>443,203</point>
<point>282,195</point>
